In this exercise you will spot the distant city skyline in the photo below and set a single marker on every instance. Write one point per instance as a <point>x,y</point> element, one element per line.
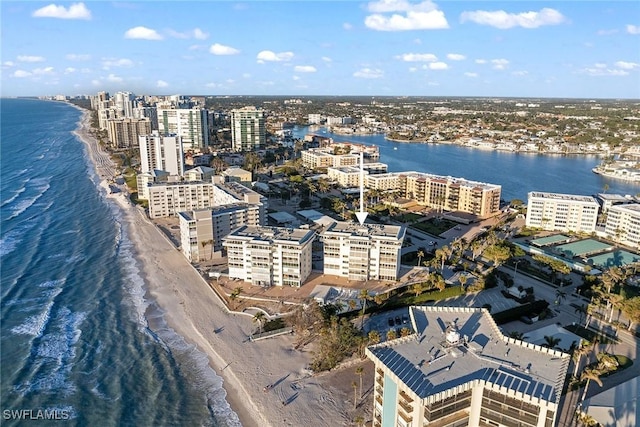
<point>343,48</point>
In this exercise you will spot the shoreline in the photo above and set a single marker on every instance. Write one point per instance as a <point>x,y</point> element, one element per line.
<point>192,310</point>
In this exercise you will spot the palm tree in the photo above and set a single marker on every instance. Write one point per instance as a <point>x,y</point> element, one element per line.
<point>577,357</point>
<point>352,304</point>
<point>517,335</point>
<point>374,337</point>
<point>360,372</point>
<point>551,341</point>
<point>416,288</point>
<point>391,335</point>
<point>259,317</point>
<point>420,256</point>
<point>589,375</point>
<point>235,293</point>
<point>359,420</point>
<point>405,332</point>
<point>560,296</point>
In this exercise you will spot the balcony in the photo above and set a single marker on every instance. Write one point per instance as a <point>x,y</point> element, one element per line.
<point>379,399</point>
<point>380,381</point>
<point>406,397</point>
<point>405,406</point>
<point>405,417</point>
<point>380,372</point>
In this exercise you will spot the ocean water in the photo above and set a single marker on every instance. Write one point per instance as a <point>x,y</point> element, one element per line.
<point>79,339</point>
<point>517,173</point>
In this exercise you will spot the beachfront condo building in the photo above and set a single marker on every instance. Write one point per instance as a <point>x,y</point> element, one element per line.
<point>190,124</point>
<point>321,158</point>
<point>458,369</point>
<point>169,198</point>
<point>270,256</point>
<point>362,252</point>
<point>623,224</point>
<point>162,152</point>
<point>236,174</point>
<point>124,132</point>
<point>143,180</point>
<point>443,193</point>
<point>248,132</point>
<point>199,173</point>
<point>562,212</point>
<point>202,230</point>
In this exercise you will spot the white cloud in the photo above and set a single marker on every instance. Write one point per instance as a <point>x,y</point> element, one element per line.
<point>40,71</point>
<point>96,82</point>
<point>413,69</point>
<point>600,65</point>
<point>606,32</point>
<point>626,65</point>
<point>296,77</point>
<point>161,83</point>
<point>114,79</point>
<point>8,64</point>
<point>21,73</point>
<point>503,20</point>
<point>199,34</point>
<point>481,61</point>
<point>69,70</point>
<point>438,66</point>
<point>196,47</point>
<point>75,11</point>
<point>327,59</point>
<point>633,29</point>
<point>108,63</point>
<point>30,58</point>
<point>456,57</point>
<point>598,71</point>
<point>77,57</point>
<point>417,57</point>
<point>304,69</point>
<point>246,75</point>
<point>434,20</point>
<point>520,73</point>
<point>220,49</point>
<point>499,64</point>
<point>368,73</point>
<point>471,74</point>
<point>142,33</point>
<point>386,6</point>
<point>270,56</point>
<point>347,26</point>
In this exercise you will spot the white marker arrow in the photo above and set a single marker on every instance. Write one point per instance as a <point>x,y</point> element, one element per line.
<point>362,215</point>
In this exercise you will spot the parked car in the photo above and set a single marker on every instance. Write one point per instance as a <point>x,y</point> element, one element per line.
<point>398,321</point>
<point>405,319</point>
<point>390,321</point>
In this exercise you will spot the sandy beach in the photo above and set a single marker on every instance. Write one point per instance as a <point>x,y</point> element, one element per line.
<point>193,310</point>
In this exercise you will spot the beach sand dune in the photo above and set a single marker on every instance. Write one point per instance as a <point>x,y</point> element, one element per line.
<point>294,397</point>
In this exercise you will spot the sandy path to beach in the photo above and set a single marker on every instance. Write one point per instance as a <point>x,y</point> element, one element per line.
<point>193,310</point>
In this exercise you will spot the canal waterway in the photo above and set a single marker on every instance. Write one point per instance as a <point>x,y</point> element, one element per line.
<point>517,173</point>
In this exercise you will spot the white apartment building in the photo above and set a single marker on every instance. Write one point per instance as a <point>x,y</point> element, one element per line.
<point>124,132</point>
<point>248,132</point>
<point>143,180</point>
<point>167,199</point>
<point>162,152</point>
<point>320,158</point>
<point>315,119</point>
<point>202,230</point>
<point>383,182</point>
<point>200,173</point>
<point>623,224</point>
<point>458,369</point>
<point>362,252</point>
<point>226,193</point>
<point>268,256</point>
<point>191,125</point>
<point>562,212</point>
<point>348,176</point>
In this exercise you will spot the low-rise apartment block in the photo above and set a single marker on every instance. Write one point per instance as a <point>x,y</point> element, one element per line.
<point>202,230</point>
<point>623,224</point>
<point>441,192</point>
<point>458,369</point>
<point>362,252</point>
<point>270,256</point>
<point>322,158</point>
<point>562,212</point>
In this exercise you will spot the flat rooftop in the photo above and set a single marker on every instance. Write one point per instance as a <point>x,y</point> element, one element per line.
<point>455,346</point>
<point>550,240</point>
<point>617,258</point>
<point>367,230</point>
<point>563,197</point>
<point>270,234</point>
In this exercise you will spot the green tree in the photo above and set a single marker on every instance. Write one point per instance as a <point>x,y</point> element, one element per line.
<point>416,288</point>
<point>551,341</point>
<point>631,309</point>
<point>420,256</point>
<point>589,375</point>
<point>391,335</point>
<point>259,318</point>
<point>374,337</point>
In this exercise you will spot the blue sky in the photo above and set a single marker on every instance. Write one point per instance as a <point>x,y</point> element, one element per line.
<point>578,49</point>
